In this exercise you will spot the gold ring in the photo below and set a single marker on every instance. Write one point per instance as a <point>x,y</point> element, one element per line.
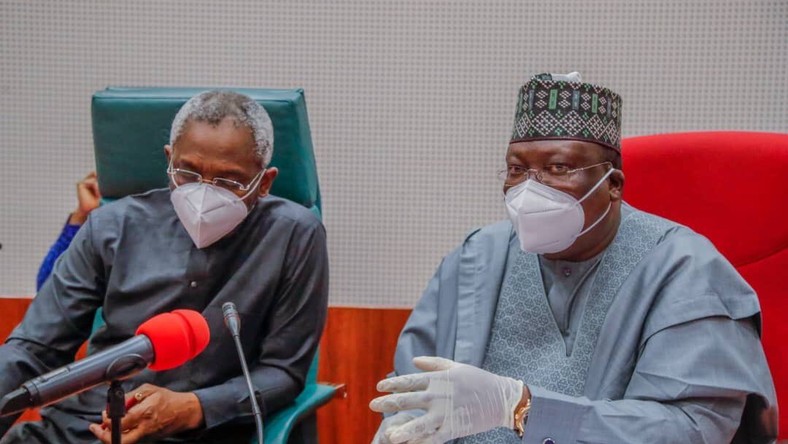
<point>138,396</point>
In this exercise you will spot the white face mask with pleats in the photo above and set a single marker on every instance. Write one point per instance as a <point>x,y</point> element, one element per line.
<point>207,212</point>
<point>545,219</point>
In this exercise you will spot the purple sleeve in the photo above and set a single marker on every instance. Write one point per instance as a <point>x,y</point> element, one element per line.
<point>55,251</point>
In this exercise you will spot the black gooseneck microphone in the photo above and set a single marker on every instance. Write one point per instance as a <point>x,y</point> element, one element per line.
<point>233,323</point>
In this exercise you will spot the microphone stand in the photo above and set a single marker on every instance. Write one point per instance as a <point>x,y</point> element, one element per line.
<point>258,415</point>
<point>116,408</point>
<point>116,396</point>
<point>233,322</point>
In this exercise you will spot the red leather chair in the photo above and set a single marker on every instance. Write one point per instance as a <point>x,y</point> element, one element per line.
<point>731,187</point>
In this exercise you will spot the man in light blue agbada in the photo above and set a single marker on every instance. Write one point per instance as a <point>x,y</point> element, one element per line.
<point>581,319</point>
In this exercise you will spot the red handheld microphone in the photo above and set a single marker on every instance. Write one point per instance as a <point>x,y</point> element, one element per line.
<point>177,337</point>
<point>162,342</point>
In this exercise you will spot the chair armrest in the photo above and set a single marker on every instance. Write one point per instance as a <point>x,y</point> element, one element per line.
<point>279,425</point>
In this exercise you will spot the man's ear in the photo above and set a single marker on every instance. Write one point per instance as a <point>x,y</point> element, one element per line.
<point>268,179</point>
<point>168,153</point>
<point>616,180</point>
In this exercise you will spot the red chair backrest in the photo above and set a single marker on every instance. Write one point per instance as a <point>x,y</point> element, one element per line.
<point>731,187</point>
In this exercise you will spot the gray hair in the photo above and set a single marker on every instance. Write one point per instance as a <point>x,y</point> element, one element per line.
<point>214,106</point>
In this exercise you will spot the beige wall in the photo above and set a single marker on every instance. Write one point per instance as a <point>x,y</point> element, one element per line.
<point>410,102</point>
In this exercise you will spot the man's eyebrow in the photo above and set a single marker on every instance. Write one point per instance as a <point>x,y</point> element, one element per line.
<point>184,163</point>
<point>228,172</point>
<point>232,172</point>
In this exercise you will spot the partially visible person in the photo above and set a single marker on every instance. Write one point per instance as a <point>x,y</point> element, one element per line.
<point>581,319</point>
<point>88,199</point>
<point>215,235</point>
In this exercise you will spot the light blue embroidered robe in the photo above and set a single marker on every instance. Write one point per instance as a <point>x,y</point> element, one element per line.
<point>677,358</point>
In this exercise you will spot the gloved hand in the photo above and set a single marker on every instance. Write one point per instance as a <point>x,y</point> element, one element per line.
<point>460,400</point>
<point>391,421</point>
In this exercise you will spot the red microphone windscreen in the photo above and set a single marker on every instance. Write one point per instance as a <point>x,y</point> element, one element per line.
<point>177,337</point>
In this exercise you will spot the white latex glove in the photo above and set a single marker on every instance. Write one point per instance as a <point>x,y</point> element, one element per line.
<point>391,421</point>
<point>460,400</point>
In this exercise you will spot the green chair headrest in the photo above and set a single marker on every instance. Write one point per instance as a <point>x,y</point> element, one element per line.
<point>132,125</point>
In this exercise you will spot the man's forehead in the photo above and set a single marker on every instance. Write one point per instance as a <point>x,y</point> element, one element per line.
<point>222,134</point>
<point>223,143</point>
<point>227,124</point>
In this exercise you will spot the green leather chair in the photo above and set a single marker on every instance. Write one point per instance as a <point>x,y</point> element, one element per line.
<point>131,127</point>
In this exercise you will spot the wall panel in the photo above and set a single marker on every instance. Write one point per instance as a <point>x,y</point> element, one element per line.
<point>410,101</point>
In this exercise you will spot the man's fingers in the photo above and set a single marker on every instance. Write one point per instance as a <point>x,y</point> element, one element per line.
<point>380,436</point>
<point>102,434</point>
<point>132,436</point>
<point>401,401</point>
<point>87,188</point>
<point>92,186</point>
<point>147,389</point>
<point>405,383</point>
<point>135,415</point>
<point>129,422</point>
<point>419,428</point>
<point>399,419</point>
<point>433,363</point>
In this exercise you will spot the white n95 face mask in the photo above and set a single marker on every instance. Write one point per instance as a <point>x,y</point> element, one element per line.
<point>207,212</point>
<point>545,219</point>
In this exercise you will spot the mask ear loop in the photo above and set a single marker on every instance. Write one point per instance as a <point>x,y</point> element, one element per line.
<point>609,172</point>
<point>610,205</point>
<point>253,188</point>
<point>595,223</point>
<point>169,174</point>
